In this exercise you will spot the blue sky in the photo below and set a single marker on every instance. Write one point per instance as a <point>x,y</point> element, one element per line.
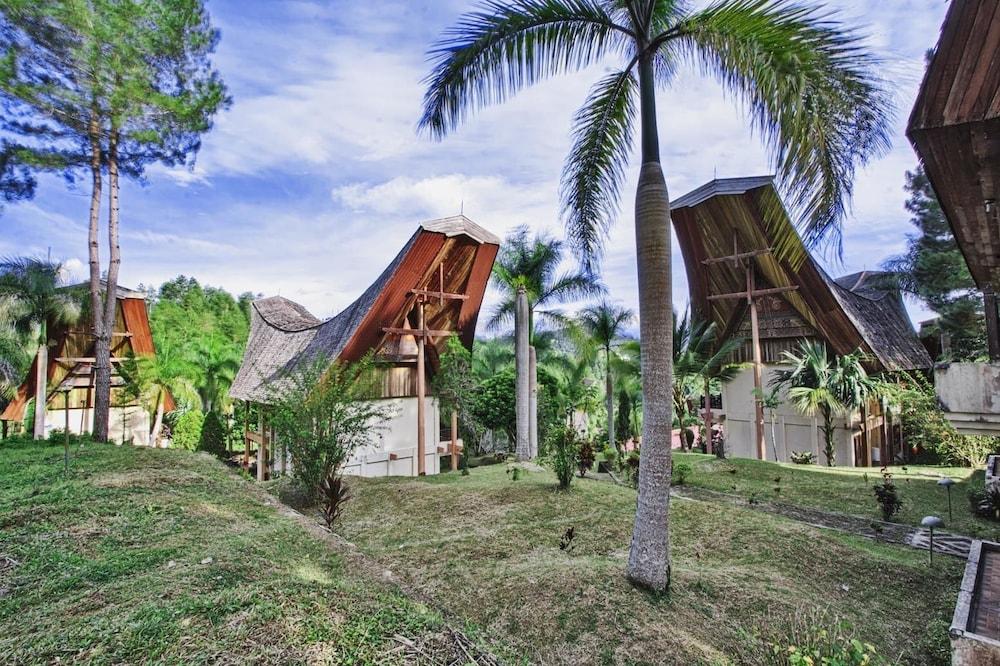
<point>315,177</point>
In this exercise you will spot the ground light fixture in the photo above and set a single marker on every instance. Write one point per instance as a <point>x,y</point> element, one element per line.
<point>947,484</point>
<point>930,522</point>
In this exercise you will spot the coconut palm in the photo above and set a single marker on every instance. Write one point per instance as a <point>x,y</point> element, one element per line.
<point>605,322</point>
<point>33,288</point>
<point>805,83</point>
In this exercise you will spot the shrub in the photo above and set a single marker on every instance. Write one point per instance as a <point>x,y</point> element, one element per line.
<point>585,457</point>
<point>802,458</point>
<point>631,468</point>
<point>680,473</point>
<point>187,430</point>
<point>333,493</point>
<point>213,436</point>
<point>887,497</point>
<point>563,447</point>
<point>811,638</point>
<point>985,502</point>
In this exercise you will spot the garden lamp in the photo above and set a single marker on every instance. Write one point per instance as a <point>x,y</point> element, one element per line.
<point>947,483</point>
<point>930,522</point>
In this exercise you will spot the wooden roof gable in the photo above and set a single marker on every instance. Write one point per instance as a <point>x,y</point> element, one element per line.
<point>955,128</point>
<point>449,256</point>
<point>746,215</point>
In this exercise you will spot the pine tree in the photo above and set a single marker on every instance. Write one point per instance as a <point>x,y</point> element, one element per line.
<point>934,271</point>
<point>106,87</point>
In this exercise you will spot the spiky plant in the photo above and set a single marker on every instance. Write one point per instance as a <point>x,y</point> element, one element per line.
<point>805,82</point>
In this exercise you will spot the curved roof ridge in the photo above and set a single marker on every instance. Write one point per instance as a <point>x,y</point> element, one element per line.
<point>285,314</point>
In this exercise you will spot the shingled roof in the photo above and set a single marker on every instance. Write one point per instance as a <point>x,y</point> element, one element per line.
<point>283,334</point>
<point>858,310</point>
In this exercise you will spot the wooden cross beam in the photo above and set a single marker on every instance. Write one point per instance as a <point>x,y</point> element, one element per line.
<point>750,295</point>
<point>417,333</point>
<point>65,360</point>
<point>736,257</point>
<point>442,295</point>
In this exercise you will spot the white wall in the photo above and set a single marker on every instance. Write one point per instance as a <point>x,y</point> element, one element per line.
<point>396,452</point>
<point>793,430</point>
<point>134,421</point>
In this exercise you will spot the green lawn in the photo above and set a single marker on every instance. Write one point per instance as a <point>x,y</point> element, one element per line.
<point>487,548</point>
<point>146,555</point>
<point>846,489</point>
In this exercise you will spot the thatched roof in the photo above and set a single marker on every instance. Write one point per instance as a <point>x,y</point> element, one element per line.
<point>283,334</point>
<point>747,214</point>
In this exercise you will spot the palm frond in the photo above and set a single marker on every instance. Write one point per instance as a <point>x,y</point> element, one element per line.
<point>595,168</point>
<point>571,286</point>
<point>502,47</point>
<point>810,89</point>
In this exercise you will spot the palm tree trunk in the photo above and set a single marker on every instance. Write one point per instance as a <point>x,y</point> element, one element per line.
<point>522,446</point>
<point>649,553</point>
<point>532,401</point>
<point>154,438</point>
<point>102,347</point>
<point>41,381</point>
<point>610,396</point>
<point>96,311</point>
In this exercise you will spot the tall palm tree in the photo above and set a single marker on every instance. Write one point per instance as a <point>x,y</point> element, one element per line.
<point>490,356</point>
<point>805,82</point>
<point>533,263</point>
<point>33,287</point>
<point>605,322</point>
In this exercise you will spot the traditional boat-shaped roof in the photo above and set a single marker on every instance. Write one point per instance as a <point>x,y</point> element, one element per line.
<point>746,215</point>
<point>450,255</point>
<point>955,128</point>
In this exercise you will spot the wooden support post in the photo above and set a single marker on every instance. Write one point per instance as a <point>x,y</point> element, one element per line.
<point>992,324</point>
<point>246,439</point>
<point>66,434</point>
<point>454,440</point>
<point>757,368</point>
<point>261,447</point>
<point>865,442</point>
<point>421,391</point>
<point>708,416</point>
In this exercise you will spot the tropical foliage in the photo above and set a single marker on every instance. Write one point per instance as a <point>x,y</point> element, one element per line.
<point>806,83</point>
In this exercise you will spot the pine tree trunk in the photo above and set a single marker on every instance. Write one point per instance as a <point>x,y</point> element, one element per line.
<point>96,310</point>
<point>41,381</point>
<point>649,552</point>
<point>522,446</point>
<point>102,346</point>
<point>610,396</point>
<point>154,438</point>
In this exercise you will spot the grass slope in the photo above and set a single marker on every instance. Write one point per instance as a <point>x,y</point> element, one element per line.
<point>487,548</point>
<point>146,555</point>
<point>846,489</point>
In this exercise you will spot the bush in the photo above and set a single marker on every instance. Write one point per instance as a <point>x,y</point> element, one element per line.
<point>985,502</point>
<point>812,637</point>
<point>680,473</point>
<point>803,458</point>
<point>563,446</point>
<point>631,468</point>
<point>187,431</point>
<point>887,497</point>
<point>213,436</point>
<point>585,457</point>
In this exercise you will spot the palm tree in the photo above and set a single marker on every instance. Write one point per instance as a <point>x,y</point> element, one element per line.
<point>166,372</point>
<point>771,401</point>
<point>529,264</point>
<point>805,83</point>
<point>605,323</point>
<point>217,361</point>
<point>701,365</point>
<point>490,356</point>
<point>817,385</point>
<point>37,302</point>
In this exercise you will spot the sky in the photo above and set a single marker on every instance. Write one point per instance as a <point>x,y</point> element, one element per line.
<point>315,177</point>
